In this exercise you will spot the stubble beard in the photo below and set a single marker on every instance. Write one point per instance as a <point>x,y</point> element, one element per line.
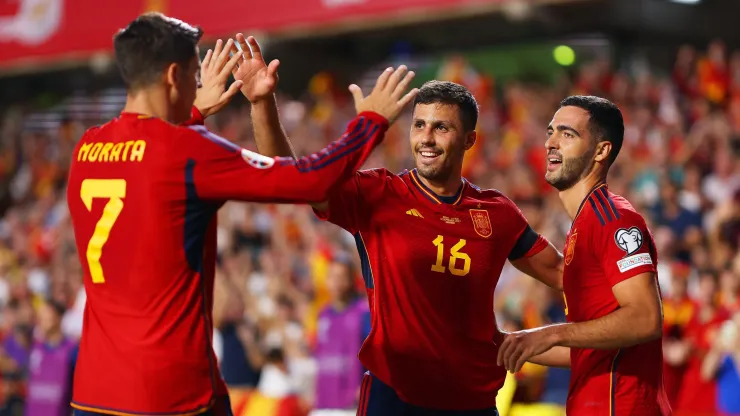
<point>571,172</point>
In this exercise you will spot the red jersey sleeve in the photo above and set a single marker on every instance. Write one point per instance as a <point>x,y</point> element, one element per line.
<point>624,244</point>
<point>196,118</point>
<point>219,170</point>
<point>348,204</point>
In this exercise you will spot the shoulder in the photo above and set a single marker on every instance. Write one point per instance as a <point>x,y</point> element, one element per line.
<point>375,174</point>
<point>379,178</point>
<point>94,132</point>
<point>607,211</point>
<point>486,195</point>
<point>493,198</point>
<point>611,217</point>
<point>200,135</point>
<point>205,144</point>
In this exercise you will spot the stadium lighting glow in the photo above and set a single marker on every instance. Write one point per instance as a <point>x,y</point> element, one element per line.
<point>687,1</point>
<point>564,55</point>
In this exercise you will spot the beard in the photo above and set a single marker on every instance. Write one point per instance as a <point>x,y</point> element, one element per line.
<point>571,171</point>
<point>441,170</point>
<point>438,172</point>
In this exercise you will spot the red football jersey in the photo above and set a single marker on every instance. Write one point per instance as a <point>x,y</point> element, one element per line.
<point>698,396</point>
<point>430,266</point>
<point>143,195</point>
<point>607,244</point>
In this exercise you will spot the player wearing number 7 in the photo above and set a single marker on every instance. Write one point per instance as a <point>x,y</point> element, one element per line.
<point>143,195</point>
<point>432,247</point>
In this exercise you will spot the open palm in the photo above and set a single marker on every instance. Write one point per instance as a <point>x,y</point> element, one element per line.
<point>260,79</point>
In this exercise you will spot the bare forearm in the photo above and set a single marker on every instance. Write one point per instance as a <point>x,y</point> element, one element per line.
<point>269,134</point>
<point>622,328</point>
<point>545,266</point>
<point>710,365</point>
<point>554,357</point>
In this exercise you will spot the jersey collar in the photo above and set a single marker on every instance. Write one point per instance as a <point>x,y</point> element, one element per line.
<point>588,196</point>
<point>436,199</point>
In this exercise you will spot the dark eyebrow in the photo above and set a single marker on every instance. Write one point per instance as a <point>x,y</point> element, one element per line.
<point>565,127</point>
<point>435,122</point>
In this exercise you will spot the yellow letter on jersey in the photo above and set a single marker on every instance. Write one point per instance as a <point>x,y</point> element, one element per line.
<point>114,190</point>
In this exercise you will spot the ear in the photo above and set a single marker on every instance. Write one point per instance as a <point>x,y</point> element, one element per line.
<point>173,73</point>
<point>470,139</point>
<point>603,149</point>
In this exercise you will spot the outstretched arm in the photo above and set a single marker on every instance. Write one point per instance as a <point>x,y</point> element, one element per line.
<point>638,319</point>
<point>218,172</point>
<point>259,81</point>
<point>554,357</point>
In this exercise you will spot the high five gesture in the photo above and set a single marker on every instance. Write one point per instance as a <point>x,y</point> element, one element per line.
<point>387,98</point>
<point>259,78</point>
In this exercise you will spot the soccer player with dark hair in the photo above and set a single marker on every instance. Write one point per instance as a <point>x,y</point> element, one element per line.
<point>432,246</point>
<point>143,194</point>
<point>611,341</point>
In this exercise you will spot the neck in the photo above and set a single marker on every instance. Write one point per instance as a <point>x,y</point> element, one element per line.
<point>54,337</point>
<point>341,303</point>
<point>574,196</point>
<point>151,102</point>
<point>447,187</point>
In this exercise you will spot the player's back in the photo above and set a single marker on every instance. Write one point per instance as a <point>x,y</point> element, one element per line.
<point>608,243</point>
<point>431,267</point>
<point>139,227</point>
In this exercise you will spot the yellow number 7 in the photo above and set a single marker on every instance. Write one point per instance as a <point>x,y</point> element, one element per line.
<point>114,190</point>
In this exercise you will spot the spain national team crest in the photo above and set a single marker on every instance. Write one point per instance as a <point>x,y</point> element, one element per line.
<point>570,250</point>
<point>481,222</point>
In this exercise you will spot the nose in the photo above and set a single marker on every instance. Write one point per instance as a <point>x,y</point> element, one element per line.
<point>551,142</point>
<point>427,138</point>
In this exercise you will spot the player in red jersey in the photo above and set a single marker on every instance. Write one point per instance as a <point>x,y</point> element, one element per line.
<point>432,246</point>
<point>613,306</point>
<point>143,194</point>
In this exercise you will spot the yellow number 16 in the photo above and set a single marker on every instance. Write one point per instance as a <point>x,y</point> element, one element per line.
<point>455,254</point>
<point>114,190</point>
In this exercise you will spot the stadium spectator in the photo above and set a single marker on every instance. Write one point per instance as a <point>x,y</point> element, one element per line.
<point>51,365</point>
<point>342,327</point>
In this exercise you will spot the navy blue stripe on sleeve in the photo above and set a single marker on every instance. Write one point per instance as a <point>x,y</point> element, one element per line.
<point>611,203</point>
<point>363,131</point>
<point>525,243</point>
<point>596,210</point>
<point>603,205</point>
<point>207,134</point>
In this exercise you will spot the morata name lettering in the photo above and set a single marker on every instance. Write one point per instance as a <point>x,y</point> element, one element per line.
<point>128,151</point>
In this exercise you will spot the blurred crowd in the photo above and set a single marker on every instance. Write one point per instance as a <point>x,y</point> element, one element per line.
<point>290,312</point>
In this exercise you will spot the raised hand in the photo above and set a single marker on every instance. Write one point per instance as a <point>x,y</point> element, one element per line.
<point>260,79</point>
<point>215,69</point>
<point>387,98</point>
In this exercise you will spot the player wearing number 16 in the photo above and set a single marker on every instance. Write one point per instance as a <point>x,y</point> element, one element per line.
<point>143,195</point>
<point>432,247</point>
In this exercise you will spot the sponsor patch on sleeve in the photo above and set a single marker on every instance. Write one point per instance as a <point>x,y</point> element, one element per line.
<point>257,160</point>
<point>629,263</point>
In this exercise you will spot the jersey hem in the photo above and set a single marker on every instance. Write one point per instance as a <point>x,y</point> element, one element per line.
<point>117,412</point>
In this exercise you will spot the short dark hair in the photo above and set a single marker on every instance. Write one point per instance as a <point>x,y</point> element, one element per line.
<point>450,93</point>
<point>59,308</point>
<point>149,44</point>
<point>605,120</point>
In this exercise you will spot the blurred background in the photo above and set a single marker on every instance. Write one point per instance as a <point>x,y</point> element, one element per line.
<point>284,278</point>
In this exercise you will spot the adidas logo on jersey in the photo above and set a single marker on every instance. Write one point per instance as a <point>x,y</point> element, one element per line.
<point>414,212</point>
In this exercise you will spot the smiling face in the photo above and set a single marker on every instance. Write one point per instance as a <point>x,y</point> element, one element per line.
<point>439,140</point>
<point>570,147</point>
